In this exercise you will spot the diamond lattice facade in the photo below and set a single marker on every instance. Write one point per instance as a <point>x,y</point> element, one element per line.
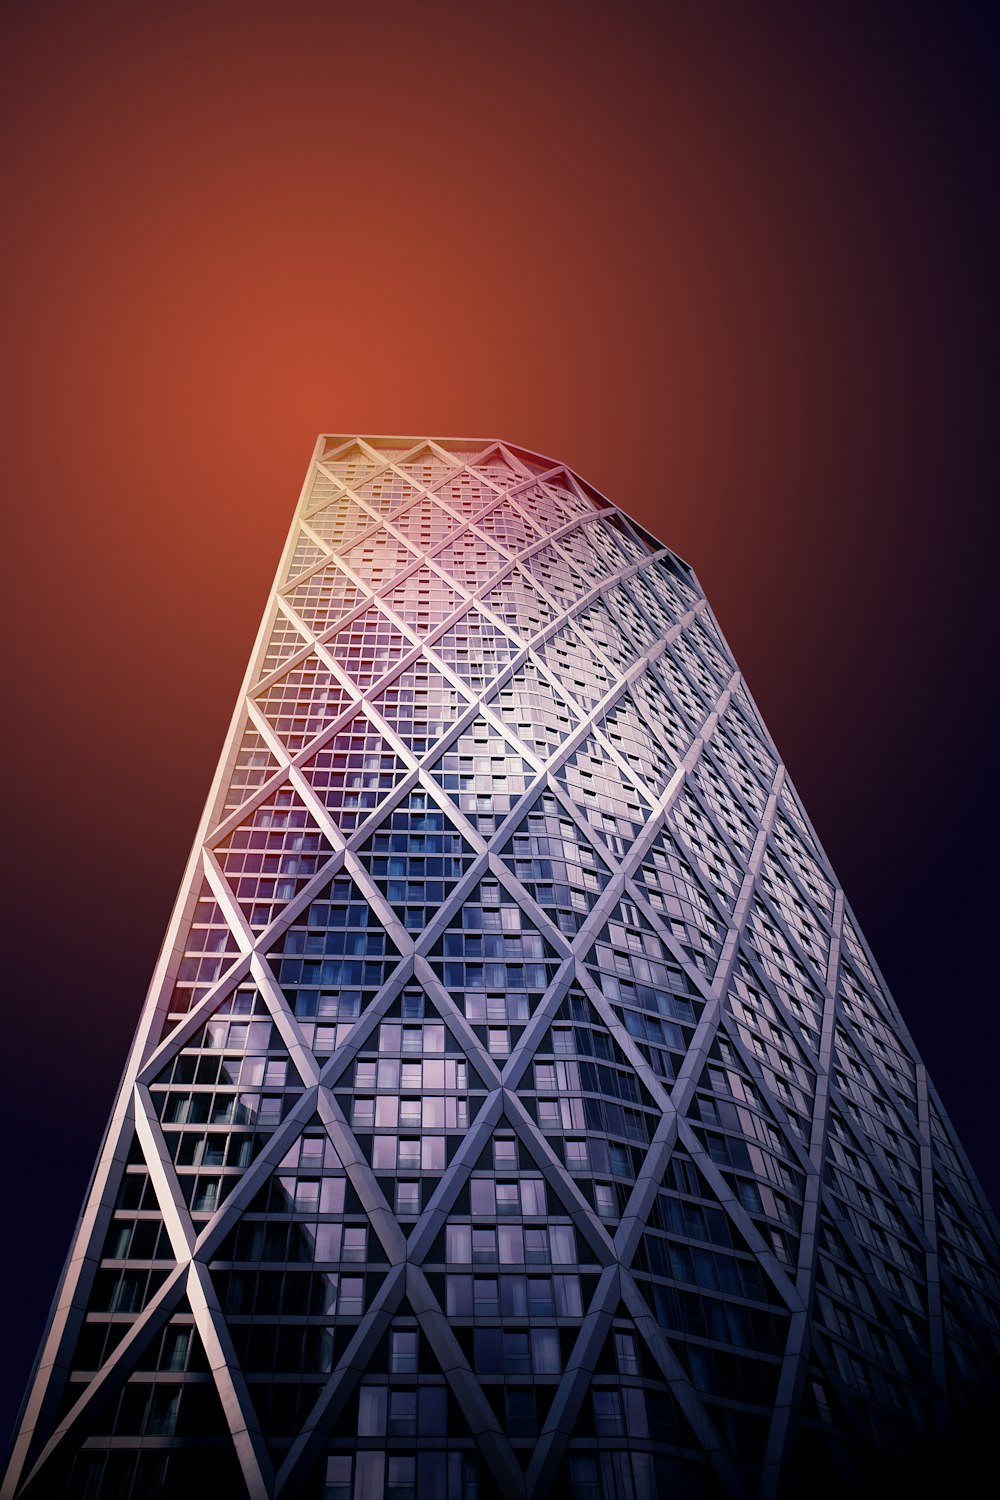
<point>517,1109</point>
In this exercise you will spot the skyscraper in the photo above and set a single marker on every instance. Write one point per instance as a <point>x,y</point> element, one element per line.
<point>516,1108</point>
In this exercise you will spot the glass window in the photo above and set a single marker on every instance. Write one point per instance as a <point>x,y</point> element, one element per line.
<point>489,1352</point>
<point>351,1301</point>
<point>433,1411</point>
<point>576,1156</point>
<point>536,1247</point>
<point>505,1154</point>
<point>386,1111</point>
<point>482,1196</point>
<point>548,1114</point>
<point>433,1112</point>
<point>569,1300</point>
<point>635,1412</point>
<point>562,1241</point>
<point>403,1351</point>
<point>175,1349</point>
<point>409,1153</point>
<point>332,1194</point>
<point>584,1479</point>
<point>545,1354</point>
<point>369,1476</point>
<point>384,1152</point>
<point>514,1292</point>
<point>540,1300</point>
<point>458,1296</point>
<point>521,1421</point>
<point>532,1195</point>
<point>626,1354</point>
<point>485,1296</point>
<point>507,1198</point>
<point>484,1245</point>
<point>307,1195</point>
<point>608,1421</point>
<point>458,1244</point>
<point>328,1242</point>
<point>407,1198</point>
<point>338,1478</point>
<point>401,1477</point>
<point>516,1354</point>
<point>372,1410</point>
<point>432,1153</point>
<point>355,1244</point>
<point>402,1413</point>
<point>511,1237</point>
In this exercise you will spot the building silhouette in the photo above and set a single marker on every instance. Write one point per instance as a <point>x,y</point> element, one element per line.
<point>516,1109</point>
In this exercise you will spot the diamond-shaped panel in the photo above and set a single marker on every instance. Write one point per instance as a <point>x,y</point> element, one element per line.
<point>423,599</point>
<point>465,492</point>
<point>254,765</point>
<point>676,894</point>
<point>331,962</point>
<point>207,951</point>
<point>354,772</point>
<point>324,597</point>
<point>425,524</point>
<point>556,864</point>
<point>307,553</point>
<point>420,704</point>
<point>475,648</point>
<point>499,470</point>
<point>411,1097</point>
<point>469,560</point>
<point>425,466</point>
<point>496,963</point>
<point>284,641</point>
<point>416,857</point>
<point>303,702</point>
<point>652,996</point>
<point>272,854</point>
<point>519,605</point>
<point>368,646</point>
<point>534,709</point>
<point>221,1096</point>
<point>483,775</point>
<point>378,558</point>
<point>508,527</point>
<point>571,661</point>
<point>610,804</point>
<point>386,492</point>
<point>633,736</point>
<point>590,1104</point>
<point>342,522</point>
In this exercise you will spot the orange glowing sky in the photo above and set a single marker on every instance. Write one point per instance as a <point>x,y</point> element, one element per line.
<point>735,266</point>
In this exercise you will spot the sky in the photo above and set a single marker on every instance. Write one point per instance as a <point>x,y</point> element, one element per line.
<point>736,265</point>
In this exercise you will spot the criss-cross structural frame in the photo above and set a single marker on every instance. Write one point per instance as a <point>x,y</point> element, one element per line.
<point>537,578</point>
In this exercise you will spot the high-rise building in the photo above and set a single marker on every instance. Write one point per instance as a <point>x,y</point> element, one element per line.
<point>516,1109</point>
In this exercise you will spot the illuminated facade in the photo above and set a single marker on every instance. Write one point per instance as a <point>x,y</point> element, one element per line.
<point>517,1109</point>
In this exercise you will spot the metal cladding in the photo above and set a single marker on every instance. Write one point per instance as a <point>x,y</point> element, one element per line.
<point>517,1109</point>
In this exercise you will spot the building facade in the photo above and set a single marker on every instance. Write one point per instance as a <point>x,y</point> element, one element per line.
<point>516,1109</point>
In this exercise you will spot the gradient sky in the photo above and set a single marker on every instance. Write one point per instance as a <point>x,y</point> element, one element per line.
<point>734,264</point>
